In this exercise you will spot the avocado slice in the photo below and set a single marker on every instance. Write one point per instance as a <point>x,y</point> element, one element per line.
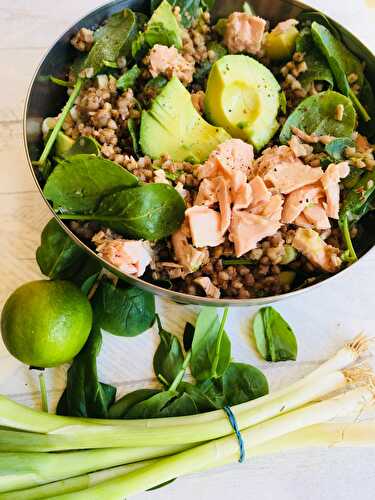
<point>173,126</point>
<point>163,27</point>
<point>63,144</point>
<point>243,97</point>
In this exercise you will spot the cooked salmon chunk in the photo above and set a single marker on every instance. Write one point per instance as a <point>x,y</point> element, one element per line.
<point>244,33</point>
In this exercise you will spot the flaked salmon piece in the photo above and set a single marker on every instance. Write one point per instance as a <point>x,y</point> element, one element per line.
<point>283,170</point>
<point>205,226</point>
<point>284,26</point>
<point>228,157</point>
<point>312,138</point>
<point>207,193</point>
<point>273,208</point>
<point>247,229</point>
<point>298,200</point>
<point>209,288</point>
<point>224,198</point>
<point>169,62</point>
<point>240,190</point>
<point>330,181</point>
<point>260,192</point>
<point>311,245</point>
<point>189,257</point>
<point>299,148</point>
<point>361,143</point>
<point>316,216</point>
<point>129,256</point>
<point>301,221</point>
<point>244,33</point>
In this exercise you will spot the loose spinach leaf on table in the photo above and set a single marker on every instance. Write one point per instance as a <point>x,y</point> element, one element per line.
<point>168,357</point>
<point>150,212</point>
<point>79,182</point>
<point>317,66</point>
<point>164,404</point>
<point>84,145</point>
<point>84,395</point>
<point>316,115</point>
<point>121,407</point>
<point>112,40</point>
<point>211,349</point>
<point>202,402</point>
<point>123,310</point>
<point>240,383</point>
<point>274,338</point>
<point>58,256</point>
<point>129,78</point>
<point>336,148</point>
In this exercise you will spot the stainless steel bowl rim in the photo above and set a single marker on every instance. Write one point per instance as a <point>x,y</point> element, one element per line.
<point>175,296</point>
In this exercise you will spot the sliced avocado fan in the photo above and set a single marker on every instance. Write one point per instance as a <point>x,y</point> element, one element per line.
<point>243,97</point>
<point>173,126</point>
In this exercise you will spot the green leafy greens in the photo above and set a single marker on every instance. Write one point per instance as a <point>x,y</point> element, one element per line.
<point>274,338</point>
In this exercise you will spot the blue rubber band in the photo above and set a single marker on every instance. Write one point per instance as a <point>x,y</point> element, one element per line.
<point>233,423</point>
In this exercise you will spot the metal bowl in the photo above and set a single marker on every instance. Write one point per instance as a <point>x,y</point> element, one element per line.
<point>46,99</point>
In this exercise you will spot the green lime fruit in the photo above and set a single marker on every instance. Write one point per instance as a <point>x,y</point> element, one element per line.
<point>46,323</point>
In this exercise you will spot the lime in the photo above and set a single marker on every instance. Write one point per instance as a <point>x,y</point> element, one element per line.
<point>46,323</point>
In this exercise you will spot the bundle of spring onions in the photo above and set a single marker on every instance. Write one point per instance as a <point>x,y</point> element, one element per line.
<point>50,456</point>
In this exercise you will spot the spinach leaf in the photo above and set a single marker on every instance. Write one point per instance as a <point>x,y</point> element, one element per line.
<point>156,83</point>
<point>150,212</point>
<point>168,358</point>
<point>58,256</point>
<point>316,115</point>
<point>84,395</point>
<point>240,383</point>
<point>211,347</point>
<point>134,134</point>
<point>84,145</point>
<point>79,182</point>
<point>129,78</point>
<point>357,202</point>
<point>317,67</point>
<point>112,40</point>
<point>124,404</point>
<point>336,148</point>
<point>162,28</point>
<point>188,336</point>
<point>189,9</point>
<point>123,310</point>
<point>202,71</point>
<point>282,101</point>
<point>342,63</point>
<point>201,400</point>
<point>164,404</point>
<point>274,337</point>
<point>368,98</point>
<point>307,18</point>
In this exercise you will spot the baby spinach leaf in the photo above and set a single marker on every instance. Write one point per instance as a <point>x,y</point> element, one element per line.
<point>129,78</point>
<point>164,404</point>
<point>368,98</point>
<point>211,347</point>
<point>336,148</point>
<point>151,211</point>
<point>240,383</point>
<point>163,28</point>
<point>123,310</point>
<point>189,9</point>
<point>188,336</point>
<point>58,256</point>
<point>307,18</point>
<point>168,358</point>
<point>84,145</point>
<point>317,67</point>
<point>274,338</point>
<point>79,182</point>
<point>112,39</point>
<point>121,407</point>
<point>201,400</point>
<point>316,115</point>
<point>84,395</point>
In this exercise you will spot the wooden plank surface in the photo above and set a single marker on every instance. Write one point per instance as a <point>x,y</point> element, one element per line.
<point>322,319</point>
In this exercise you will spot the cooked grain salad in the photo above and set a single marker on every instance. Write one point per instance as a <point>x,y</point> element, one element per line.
<point>221,158</point>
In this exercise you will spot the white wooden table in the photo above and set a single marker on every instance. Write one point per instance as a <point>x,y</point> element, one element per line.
<point>322,319</point>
